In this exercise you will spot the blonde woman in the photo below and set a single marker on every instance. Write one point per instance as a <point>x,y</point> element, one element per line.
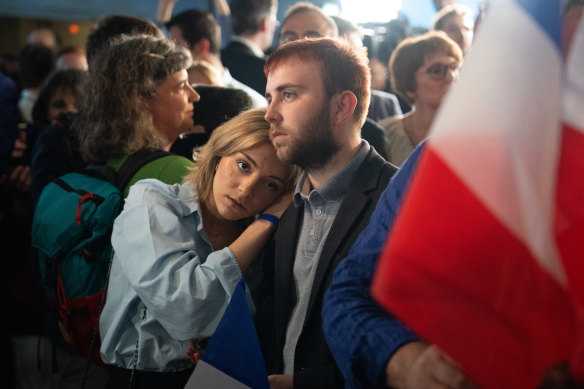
<point>181,249</point>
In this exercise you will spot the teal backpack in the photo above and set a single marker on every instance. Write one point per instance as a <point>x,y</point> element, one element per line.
<point>71,232</point>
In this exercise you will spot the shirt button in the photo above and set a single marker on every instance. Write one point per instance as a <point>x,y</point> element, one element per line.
<point>311,232</point>
<point>318,212</point>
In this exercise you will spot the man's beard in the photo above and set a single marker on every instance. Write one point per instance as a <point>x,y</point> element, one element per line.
<point>315,145</point>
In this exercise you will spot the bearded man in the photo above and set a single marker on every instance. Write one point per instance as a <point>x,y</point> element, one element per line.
<point>318,91</point>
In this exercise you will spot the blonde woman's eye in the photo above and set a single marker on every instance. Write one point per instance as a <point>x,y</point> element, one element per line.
<point>272,186</point>
<point>243,165</point>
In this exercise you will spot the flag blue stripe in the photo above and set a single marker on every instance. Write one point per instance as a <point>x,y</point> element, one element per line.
<point>547,13</point>
<point>234,348</point>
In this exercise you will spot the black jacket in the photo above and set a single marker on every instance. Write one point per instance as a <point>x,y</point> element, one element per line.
<point>245,66</point>
<point>314,365</point>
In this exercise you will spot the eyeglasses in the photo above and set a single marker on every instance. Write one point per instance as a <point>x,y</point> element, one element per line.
<point>437,71</point>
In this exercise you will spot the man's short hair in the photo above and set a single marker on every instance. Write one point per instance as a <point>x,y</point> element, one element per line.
<point>219,104</point>
<point>246,15</point>
<point>303,6</point>
<point>345,26</point>
<point>449,11</point>
<point>115,25</point>
<point>343,68</point>
<point>196,25</point>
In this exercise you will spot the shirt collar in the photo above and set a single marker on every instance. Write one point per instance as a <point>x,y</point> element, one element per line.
<point>257,51</point>
<point>336,187</point>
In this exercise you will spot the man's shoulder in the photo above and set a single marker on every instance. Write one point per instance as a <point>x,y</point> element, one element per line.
<point>374,172</point>
<point>236,48</point>
<point>232,46</point>
<point>383,105</point>
<point>237,51</point>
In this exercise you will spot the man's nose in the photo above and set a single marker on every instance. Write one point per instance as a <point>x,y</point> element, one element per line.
<point>272,113</point>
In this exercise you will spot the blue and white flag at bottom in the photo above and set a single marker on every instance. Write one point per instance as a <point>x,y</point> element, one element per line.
<point>233,358</point>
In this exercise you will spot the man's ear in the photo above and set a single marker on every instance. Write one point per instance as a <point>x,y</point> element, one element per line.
<point>411,95</point>
<point>343,106</point>
<point>264,24</point>
<point>202,47</point>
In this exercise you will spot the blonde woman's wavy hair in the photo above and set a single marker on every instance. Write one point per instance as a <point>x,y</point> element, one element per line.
<point>124,76</point>
<point>246,130</point>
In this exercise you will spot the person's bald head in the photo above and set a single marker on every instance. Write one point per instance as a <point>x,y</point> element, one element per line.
<point>306,20</point>
<point>43,36</point>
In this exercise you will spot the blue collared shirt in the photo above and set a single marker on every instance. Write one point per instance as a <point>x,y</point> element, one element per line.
<point>166,285</point>
<point>320,210</point>
<point>361,335</point>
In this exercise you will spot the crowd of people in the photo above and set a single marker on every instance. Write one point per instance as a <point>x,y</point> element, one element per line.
<point>281,165</point>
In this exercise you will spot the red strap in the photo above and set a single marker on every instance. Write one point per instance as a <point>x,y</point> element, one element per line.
<point>61,298</point>
<point>88,196</point>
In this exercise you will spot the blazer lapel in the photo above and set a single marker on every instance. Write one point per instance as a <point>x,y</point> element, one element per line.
<point>366,179</point>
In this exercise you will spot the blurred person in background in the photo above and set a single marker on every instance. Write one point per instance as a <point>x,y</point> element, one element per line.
<point>217,105</point>
<point>199,32</point>
<point>44,36</point>
<point>253,23</point>
<point>422,70</point>
<point>35,63</point>
<point>56,150</point>
<point>71,57</point>
<point>457,22</point>
<point>59,94</point>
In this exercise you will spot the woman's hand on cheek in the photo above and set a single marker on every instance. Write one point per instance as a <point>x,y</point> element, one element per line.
<point>278,207</point>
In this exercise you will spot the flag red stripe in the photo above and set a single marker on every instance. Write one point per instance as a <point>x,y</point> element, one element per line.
<point>569,223</point>
<point>504,330</point>
<point>569,227</point>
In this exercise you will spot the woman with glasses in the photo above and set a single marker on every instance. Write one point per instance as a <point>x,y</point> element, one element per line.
<point>422,70</point>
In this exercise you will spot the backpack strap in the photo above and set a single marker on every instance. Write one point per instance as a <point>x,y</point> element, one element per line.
<point>134,163</point>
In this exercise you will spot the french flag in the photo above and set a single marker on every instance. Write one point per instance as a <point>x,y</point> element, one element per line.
<point>486,258</point>
<point>233,358</point>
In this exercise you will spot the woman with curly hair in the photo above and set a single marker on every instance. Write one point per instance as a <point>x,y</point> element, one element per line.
<point>137,97</point>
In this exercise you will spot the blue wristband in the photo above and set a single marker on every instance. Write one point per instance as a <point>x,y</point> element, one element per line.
<point>271,218</point>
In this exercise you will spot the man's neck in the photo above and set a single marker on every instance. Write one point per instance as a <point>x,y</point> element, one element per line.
<point>419,121</point>
<point>212,59</point>
<point>254,41</point>
<point>338,162</point>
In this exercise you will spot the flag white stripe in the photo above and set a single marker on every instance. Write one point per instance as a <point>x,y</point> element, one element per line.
<point>507,159</point>
<point>208,377</point>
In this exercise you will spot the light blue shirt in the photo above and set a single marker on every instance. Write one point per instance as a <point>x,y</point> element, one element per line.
<point>166,284</point>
